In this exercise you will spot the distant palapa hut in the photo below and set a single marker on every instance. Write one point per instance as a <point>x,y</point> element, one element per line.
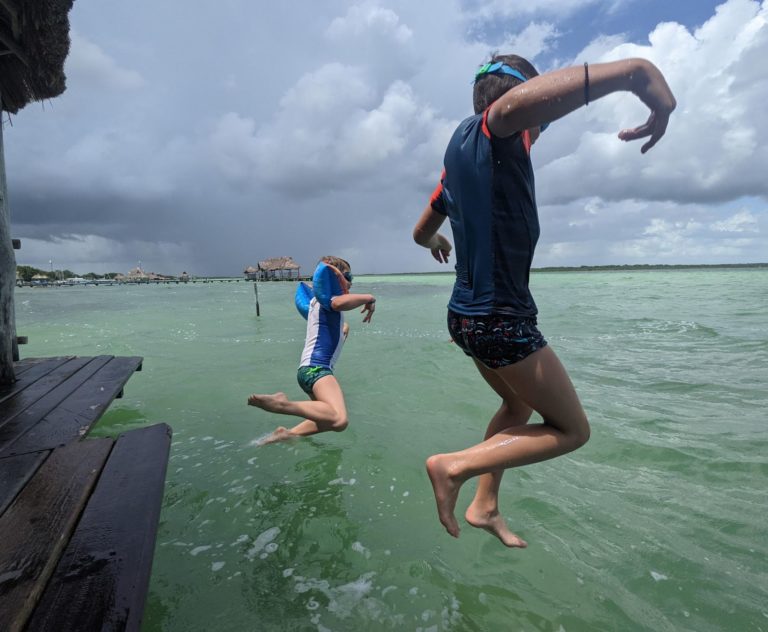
<point>275,269</point>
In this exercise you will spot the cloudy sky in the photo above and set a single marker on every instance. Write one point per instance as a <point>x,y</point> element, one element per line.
<point>207,139</point>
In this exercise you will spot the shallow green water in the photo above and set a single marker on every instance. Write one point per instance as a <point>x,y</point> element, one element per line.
<point>658,523</point>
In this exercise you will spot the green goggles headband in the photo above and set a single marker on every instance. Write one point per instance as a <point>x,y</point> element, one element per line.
<point>499,67</point>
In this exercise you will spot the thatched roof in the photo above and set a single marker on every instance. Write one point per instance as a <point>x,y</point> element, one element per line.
<point>279,263</point>
<point>34,42</point>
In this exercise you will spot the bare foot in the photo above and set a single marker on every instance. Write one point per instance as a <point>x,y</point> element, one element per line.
<point>272,403</point>
<point>493,523</point>
<point>446,491</point>
<point>278,434</point>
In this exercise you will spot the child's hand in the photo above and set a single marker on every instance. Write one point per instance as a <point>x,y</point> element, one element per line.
<point>442,250</point>
<point>652,89</point>
<point>345,330</point>
<point>368,310</point>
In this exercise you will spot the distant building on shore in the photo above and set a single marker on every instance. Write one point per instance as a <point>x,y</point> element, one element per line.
<point>137,275</point>
<point>275,269</point>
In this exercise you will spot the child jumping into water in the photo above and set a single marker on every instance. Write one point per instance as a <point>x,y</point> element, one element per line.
<point>487,192</point>
<point>326,333</point>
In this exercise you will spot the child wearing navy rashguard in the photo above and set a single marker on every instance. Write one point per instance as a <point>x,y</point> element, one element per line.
<point>326,333</point>
<point>487,192</point>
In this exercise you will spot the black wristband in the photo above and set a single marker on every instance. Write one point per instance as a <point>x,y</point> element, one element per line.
<point>586,83</point>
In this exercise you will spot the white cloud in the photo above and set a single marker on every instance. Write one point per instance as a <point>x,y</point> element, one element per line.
<point>325,137</point>
<point>88,63</point>
<point>362,20</point>
<point>491,9</point>
<point>741,222</point>
<point>532,41</point>
<point>715,146</point>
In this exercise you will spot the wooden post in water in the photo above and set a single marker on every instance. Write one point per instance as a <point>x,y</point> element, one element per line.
<point>256,290</point>
<point>7,277</point>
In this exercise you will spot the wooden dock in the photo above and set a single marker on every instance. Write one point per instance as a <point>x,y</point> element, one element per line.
<point>78,516</point>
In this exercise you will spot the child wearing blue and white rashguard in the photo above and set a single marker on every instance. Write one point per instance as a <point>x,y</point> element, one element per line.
<point>326,333</point>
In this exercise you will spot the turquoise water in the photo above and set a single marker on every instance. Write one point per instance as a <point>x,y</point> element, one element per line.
<point>658,523</point>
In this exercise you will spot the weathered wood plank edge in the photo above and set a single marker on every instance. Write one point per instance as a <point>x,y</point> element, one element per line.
<point>22,421</point>
<point>102,579</point>
<point>52,501</point>
<point>29,374</point>
<point>15,471</point>
<point>76,415</point>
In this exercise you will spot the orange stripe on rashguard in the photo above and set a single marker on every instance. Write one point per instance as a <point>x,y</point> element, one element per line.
<point>527,141</point>
<point>438,190</point>
<point>486,131</point>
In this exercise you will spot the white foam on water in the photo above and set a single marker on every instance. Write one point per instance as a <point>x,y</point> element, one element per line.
<point>261,541</point>
<point>359,548</point>
<point>341,599</point>
<point>450,614</point>
<point>658,576</point>
<point>199,549</point>
<point>217,566</point>
<point>341,481</point>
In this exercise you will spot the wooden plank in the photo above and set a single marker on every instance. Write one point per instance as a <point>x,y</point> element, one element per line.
<point>102,579</point>
<point>15,471</point>
<point>74,417</point>
<point>20,400</point>
<point>22,420</point>
<point>39,523</point>
<point>28,362</point>
<point>29,373</point>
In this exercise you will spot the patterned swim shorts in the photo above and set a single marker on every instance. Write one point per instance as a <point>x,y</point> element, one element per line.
<point>495,340</point>
<point>306,376</point>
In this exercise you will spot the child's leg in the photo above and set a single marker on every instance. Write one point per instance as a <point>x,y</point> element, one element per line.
<point>483,511</point>
<point>327,411</point>
<point>327,392</point>
<point>541,381</point>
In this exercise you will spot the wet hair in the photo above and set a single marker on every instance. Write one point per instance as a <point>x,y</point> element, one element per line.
<point>490,87</point>
<point>337,262</point>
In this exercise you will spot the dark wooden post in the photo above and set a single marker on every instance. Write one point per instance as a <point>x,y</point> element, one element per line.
<point>7,276</point>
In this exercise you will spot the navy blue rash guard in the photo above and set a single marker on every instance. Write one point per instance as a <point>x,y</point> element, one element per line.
<point>487,191</point>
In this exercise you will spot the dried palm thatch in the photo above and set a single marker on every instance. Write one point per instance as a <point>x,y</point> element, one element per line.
<point>278,263</point>
<point>34,42</point>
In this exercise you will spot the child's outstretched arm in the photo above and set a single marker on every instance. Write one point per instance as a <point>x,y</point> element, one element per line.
<point>346,302</point>
<point>551,96</point>
<point>425,234</point>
